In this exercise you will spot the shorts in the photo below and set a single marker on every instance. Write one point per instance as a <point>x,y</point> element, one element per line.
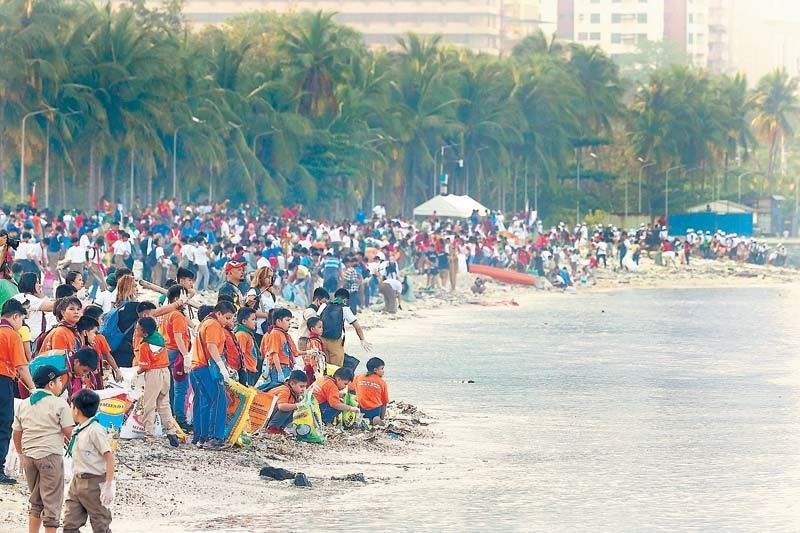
<point>372,413</point>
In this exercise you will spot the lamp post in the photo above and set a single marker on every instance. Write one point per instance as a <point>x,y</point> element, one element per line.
<point>175,156</point>
<point>22,150</point>
<point>578,186</point>
<point>47,162</point>
<point>380,140</point>
<point>645,164</point>
<point>666,193</point>
<point>739,183</point>
<point>441,164</point>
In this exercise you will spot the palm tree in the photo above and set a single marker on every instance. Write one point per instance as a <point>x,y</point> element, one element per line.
<point>775,105</point>
<point>316,52</point>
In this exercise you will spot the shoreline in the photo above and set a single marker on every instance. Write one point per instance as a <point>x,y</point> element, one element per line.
<point>175,484</point>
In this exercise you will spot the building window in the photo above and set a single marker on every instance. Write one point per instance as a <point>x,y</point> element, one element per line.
<point>595,1</point>
<point>595,18</point>
<point>690,38</point>
<point>616,18</point>
<point>641,18</point>
<point>691,18</point>
<point>594,36</point>
<point>616,38</point>
<point>582,36</point>
<point>581,17</point>
<point>642,37</point>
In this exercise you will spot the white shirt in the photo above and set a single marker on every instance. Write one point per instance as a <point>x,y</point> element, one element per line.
<point>188,252</point>
<point>121,247</point>
<point>105,299</point>
<point>75,254</point>
<point>35,314</point>
<point>26,250</point>
<point>85,243</point>
<point>200,256</point>
<point>396,285</point>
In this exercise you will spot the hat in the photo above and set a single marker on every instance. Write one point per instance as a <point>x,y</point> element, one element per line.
<point>232,265</point>
<point>45,374</point>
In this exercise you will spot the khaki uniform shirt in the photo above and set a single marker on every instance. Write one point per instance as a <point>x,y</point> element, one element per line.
<point>41,425</point>
<point>87,452</point>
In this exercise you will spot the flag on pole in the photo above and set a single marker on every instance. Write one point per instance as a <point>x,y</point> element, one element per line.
<point>33,196</point>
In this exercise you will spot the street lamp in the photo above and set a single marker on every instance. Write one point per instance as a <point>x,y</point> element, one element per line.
<point>263,134</point>
<point>22,150</point>
<point>47,160</point>
<point>441,164</point>
<point>210,163</point>
<point>645,164</point>
<point>666,193</point>
<point>380,140</point>
<point>739,184</point>
<point>578,187</point>
<point>175,156</point>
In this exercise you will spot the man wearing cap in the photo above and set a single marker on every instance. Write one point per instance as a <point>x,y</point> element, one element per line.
<point>12,364</point>
<point>235,272</point>
<point>40,425</point>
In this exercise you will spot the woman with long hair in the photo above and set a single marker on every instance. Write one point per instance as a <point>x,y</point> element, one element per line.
<point>263,289</point>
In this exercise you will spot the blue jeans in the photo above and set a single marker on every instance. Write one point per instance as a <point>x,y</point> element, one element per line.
<point>328,412</point>
<point>210,404</point>
<point>177,390</point>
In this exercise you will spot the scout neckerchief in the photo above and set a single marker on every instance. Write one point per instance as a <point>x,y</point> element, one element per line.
<point>39,394</point>
<point>75,433</point>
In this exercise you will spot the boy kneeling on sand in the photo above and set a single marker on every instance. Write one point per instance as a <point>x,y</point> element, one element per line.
<point>40,425</point>
<point>327,394</point>
<point>289,395</point>
<point>91,491</point>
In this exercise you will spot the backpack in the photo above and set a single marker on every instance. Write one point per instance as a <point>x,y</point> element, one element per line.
<point>109,328</point>
<point>332,321</point>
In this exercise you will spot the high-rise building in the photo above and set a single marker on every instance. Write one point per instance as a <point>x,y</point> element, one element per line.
<point>617,26</point>
<point>491,26</point>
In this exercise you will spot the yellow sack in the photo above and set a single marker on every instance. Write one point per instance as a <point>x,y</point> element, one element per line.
<point>240,398</point>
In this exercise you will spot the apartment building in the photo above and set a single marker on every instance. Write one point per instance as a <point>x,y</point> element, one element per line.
<point>491,26</point>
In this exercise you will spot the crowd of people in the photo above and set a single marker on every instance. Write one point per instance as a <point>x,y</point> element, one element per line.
<point>71,283</point>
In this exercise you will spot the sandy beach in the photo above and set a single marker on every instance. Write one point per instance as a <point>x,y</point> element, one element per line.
<point>163,489</point>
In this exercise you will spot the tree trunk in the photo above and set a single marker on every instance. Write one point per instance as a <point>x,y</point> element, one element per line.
<point>92,182</point>
<point>62,181</point>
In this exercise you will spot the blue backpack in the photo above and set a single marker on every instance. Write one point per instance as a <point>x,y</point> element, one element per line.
<point>109,328</point>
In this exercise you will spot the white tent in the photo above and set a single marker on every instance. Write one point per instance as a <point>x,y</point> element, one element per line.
<point>450,206</point>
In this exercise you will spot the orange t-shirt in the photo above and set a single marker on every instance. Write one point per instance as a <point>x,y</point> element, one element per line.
<point>209,332</point>
<point>248,345</point>
<point>371,391</point>
<point>328,393</point>
<point>273,343</point>
<point>175,324</point>
<point>152,357</point>
<point>12,353</point>
<point>136,343</point>
<point>283,393</point>
<point>60,338</point>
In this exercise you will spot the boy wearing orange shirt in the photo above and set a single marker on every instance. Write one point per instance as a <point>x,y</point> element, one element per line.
<point>12,363</point>
<point>327,394</point>
<point>154,364</point>
<point>278,348</point>
<point>64,336</point>
<point>175,329</point>
<point>289,395</point>
<point>208,377</point>
<point>245,332</point>
<point>372,392</point>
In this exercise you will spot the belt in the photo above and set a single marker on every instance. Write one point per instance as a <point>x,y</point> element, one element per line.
<point>85,475</point>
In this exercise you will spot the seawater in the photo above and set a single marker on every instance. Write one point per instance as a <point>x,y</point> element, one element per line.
<point>633,410</point>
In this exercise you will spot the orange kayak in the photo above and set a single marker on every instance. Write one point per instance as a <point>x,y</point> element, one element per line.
<point>502,274</point>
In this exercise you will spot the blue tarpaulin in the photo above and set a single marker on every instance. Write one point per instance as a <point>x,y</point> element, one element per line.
<point>739,223</point>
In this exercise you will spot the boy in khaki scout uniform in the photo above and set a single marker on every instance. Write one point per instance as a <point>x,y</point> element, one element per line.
<point>91,491</point>
<point>40,425</point>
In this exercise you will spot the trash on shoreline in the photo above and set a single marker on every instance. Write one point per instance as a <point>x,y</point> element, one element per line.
<point>351,477</point>
<point>277,474</point>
